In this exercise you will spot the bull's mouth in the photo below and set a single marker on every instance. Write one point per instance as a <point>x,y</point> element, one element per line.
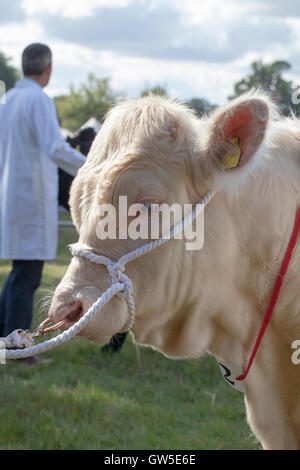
<point>63,318</point>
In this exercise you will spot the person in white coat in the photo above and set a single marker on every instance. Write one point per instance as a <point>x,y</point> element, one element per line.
<point>31,149</point>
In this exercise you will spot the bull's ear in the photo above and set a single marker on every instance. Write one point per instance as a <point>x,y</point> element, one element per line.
<point>236,133</point>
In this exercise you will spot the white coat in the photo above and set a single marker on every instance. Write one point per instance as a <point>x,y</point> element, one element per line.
<point>31,148</point>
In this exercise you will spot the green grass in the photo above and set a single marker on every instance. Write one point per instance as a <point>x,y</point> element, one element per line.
<point>87,400</point>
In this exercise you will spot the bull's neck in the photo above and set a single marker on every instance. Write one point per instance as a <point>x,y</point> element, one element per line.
<point>260,219</point>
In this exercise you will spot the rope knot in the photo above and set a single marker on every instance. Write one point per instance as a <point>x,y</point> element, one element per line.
<point>117,275</point>
<point>126,292</point>
<point>115,270</point>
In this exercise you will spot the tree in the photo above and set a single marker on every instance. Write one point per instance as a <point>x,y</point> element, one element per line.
<point>201,106</point>
<point>269,77</point>
<point>156,90</point>
<point>8,74</point>
<point>92,98</point>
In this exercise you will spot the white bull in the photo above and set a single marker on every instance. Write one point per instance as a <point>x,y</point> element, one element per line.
<point>214,299</point>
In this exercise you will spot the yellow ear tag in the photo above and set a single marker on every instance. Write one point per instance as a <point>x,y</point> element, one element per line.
<point>78,147</point>
<point>231,159</point>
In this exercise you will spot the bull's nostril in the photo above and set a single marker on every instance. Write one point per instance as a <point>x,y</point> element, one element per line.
<point>70,312</point>
<point>75,314</point>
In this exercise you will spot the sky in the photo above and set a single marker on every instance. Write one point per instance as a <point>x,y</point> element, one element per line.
<point>194,48</point>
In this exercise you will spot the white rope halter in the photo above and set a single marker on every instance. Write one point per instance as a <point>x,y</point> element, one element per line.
<point>121,286</point>
<point>115,270</point>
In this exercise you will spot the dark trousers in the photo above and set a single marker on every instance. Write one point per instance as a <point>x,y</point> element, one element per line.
<point>16,299</point>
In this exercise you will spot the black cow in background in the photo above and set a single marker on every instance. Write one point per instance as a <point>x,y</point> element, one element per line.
<point>83,142</point>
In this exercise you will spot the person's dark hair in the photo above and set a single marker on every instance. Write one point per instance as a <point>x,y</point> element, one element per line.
<point>35,58</point>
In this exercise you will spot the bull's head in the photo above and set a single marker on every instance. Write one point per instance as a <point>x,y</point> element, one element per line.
<point>153,150</point>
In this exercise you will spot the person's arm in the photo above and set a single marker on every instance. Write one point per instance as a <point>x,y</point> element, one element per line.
<point>48,134</point>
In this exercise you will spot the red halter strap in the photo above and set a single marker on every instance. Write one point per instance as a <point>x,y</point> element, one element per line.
<point>285,264</point>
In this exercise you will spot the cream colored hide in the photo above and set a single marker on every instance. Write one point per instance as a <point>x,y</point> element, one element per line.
<point>212,300</point>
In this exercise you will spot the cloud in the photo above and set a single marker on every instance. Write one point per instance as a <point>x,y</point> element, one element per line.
<point>279,8</point>
<point>70,8</point>
<point>160,31</point>
<point>193,48</point>
<point>13,42</point>
<point>136,29</point>
<point>11,11</point>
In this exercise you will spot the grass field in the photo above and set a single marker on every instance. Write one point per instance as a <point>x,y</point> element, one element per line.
<point>88,400</point>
